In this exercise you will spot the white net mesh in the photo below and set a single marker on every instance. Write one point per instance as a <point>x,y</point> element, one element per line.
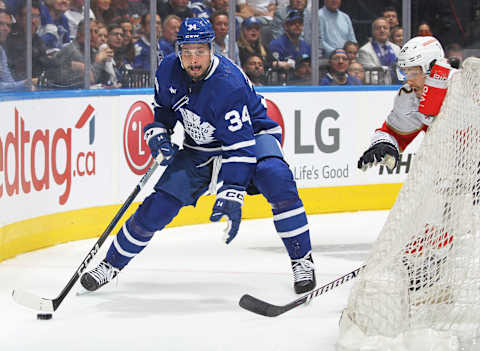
<point>423,272</point>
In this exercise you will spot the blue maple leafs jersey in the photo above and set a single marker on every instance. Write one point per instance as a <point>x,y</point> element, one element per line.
<point>221,114</point>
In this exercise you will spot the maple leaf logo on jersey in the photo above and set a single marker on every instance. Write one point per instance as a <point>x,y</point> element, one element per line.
<point>201,132</point>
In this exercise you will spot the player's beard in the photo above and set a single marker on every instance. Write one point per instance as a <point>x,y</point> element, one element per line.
<point>198,76</point>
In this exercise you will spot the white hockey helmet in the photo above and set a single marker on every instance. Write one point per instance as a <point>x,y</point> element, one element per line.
<point>419,51</point>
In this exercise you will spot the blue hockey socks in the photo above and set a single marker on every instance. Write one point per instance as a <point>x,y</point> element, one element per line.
<point>291,223</point>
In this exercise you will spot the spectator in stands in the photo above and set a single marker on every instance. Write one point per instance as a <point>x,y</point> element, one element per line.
<point>6,23</point>
<point>250,42</point>
<point>351,48</point>
<point>74,15</point>
<point>171,25</point>
<point>174,7</point>
<point>282,12</point>
<point>54,29</point>
<point>199,8</point>
<point>289,47</point>
<point>263,9</point>
<point>11,6</point>
<point>137,8</point>
<point>391,15</point>
<point>102,61</point>
<point>101,35</point>
<point>379,51</point>
<point>142,46</point>
<point>205,9</point>
<point>70,73</point>
<point>93,33</point>
<point>244,11</point>
<point>303,71</point>
<point>104,13</point>
<point>15,46</point>
<point>396,35</point>
<point>424,30</point>
<point>120,10</point>
<point>335,27</point>
<point>144,28</point>
<point>219,20</point>
<point>102,58</point>
<point>356,69</point>
<point>127,30</point>
<point>128,49</point>
<point>337,70</point>
<point>115,42</point>
<point>254,68</point>
<point>7,83</point>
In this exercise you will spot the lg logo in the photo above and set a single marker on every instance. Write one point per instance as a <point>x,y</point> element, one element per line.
<point>134,146</point>
<point>322,145</point>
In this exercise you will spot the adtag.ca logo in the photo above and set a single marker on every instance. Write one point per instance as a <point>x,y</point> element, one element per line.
<point>31,160</point>
<point>134,146</point>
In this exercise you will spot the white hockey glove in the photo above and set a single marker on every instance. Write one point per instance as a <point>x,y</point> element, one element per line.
<point>229,203</point>
<point>380,153</point>
<point>158,140</point>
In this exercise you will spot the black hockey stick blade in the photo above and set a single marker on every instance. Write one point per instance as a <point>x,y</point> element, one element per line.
<point>37,303</point>
<point>264,308</point>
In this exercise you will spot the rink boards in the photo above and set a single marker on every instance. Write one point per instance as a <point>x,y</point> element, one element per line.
<point>68,160</point>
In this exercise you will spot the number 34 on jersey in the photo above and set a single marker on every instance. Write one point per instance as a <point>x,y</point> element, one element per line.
<point>237,121</point>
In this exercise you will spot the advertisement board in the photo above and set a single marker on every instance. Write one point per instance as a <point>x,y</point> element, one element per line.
<point>54,156</point>
<point>74,153</point>
<point>81,156</point>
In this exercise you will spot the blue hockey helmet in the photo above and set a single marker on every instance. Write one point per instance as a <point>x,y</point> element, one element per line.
<point>195,31</point>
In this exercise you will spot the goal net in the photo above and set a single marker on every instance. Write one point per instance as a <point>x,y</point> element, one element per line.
<point>420,289</point>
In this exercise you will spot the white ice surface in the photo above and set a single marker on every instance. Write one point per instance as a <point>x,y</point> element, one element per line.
<point>182,291</point>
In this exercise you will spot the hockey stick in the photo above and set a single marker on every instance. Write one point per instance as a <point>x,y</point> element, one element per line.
<point>48,305</point>
<point>264,308</point>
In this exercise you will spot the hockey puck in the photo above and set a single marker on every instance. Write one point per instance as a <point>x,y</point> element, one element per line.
<point>44,316</point>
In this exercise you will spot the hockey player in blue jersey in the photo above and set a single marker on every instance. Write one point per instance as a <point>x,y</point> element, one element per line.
<point>229,141</point>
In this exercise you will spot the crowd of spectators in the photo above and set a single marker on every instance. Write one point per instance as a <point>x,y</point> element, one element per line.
<point>273,40</point>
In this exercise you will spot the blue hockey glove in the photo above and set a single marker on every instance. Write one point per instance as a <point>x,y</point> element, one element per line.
<point>229,203</point>
<point>158,140</point>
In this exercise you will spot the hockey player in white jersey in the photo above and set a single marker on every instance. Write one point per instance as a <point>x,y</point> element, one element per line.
<point>229,139</point>
<point>421,64</point>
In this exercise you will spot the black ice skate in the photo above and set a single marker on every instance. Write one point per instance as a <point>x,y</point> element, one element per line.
<point>303,274</point>
<point>99,276</point>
